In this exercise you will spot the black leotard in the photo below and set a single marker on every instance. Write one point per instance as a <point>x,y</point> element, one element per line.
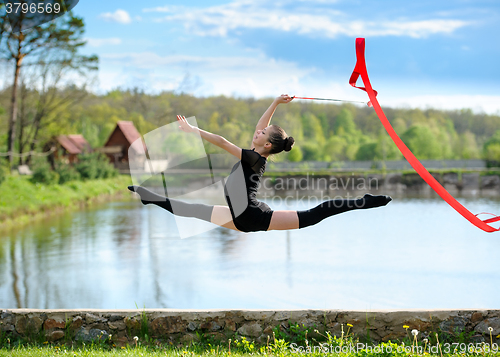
<point>249,214</point>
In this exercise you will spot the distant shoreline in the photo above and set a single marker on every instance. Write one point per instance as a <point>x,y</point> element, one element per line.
<point>23,202</point>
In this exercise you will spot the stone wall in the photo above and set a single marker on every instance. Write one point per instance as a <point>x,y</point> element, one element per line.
<point>392,183</point>
<point>184,326</point>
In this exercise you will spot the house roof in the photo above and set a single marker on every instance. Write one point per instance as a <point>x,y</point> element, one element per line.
<point>129,132</point>
<point>80,142</point>
<point>128,129</point>
<point>68,144</point>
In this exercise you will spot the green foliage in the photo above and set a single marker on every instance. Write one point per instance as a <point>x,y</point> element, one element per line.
<point>311,151</point>
<point>295,155</point>
<point>491,150</point>
<point>421,140</point>
<point>246,345</point>
<point>326,132</point>
<point>367,152</point>
<point>43,173</point>
<point>344,123</point>
<point>94,166</point>
<point>66,173</point>
<point>2,174</point>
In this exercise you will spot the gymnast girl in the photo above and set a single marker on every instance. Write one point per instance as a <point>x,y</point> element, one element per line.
<point>256,215</point>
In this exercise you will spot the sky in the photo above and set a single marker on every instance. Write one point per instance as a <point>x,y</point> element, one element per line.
<point>441,54</point>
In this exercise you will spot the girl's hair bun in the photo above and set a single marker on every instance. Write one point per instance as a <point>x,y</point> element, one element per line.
<point>289,143</point>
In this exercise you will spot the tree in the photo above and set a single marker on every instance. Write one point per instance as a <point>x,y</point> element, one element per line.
<point>344,123</point>
<point>491,150</point>
<point>422,142</point>
<point>54,46</point>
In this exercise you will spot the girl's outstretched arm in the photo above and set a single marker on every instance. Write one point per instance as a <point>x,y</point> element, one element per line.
<point>211,138</point>
<point>266,117</point>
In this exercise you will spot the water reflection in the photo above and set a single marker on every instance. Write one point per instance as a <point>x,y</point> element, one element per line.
<point>414,253</point>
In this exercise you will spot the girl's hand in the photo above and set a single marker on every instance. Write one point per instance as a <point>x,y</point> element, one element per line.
<point>184,125</point>
<point>284,98</point>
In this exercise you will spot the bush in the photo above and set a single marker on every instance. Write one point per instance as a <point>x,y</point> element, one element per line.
<point>2,174</point>
<point>95,165</point>
<point>67,173</point>
<point>42,173</point>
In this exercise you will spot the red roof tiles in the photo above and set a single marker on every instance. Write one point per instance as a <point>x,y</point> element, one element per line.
<point>80,142</point>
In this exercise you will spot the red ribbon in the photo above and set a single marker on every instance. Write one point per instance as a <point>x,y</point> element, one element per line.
<point>360,70</point>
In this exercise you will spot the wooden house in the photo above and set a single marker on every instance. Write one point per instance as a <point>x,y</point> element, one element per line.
<point>118,144</point>
<point>67,148</point>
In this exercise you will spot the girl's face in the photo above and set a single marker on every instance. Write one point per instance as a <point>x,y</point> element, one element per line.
<point>261,137</point>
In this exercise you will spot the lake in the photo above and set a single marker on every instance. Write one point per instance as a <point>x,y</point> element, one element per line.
<point>414,253</point>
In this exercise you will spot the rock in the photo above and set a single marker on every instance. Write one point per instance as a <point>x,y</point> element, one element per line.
<point>6,327</point>
<point>268,330</point>
<point>393,179</point>
<point>55,335</point>
<point>394,336</point>
<point>82,335</point>
<point>132,323</point>
<point>282,315</point>
<point>76,323</point>
<point>493,322</point>
<point>6,316</point>
<point>470,181</point>
<point>92,335</point>
<point>211,325</point>
<point>257,315</point>
<point>252,329</point>
<point>453,325</point>
<point>490,182</point>
<point>90,318</point>
<point>418,324</point>
<point>230,325</point>
<point>50,324</point>
<point>451,178</point>
<point>307,323</point>
<point>217,336</point>
<point>114,318</point>
<point>476,317</point>
<point>25,324</point>
<point>188,338</point>
<point>117,325</point>
<point>96,335</point>
<point>168,325</point>
<point>192,326</point>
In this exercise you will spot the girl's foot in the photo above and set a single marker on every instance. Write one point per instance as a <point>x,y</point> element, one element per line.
<point>371,201</point>
<point>146,195</point>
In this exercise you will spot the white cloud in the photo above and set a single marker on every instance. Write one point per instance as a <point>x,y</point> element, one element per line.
<point>478,103</point>
<point>260,76</point>
<point>120,16</point>
<point>317,21</point>
<point>98,42</point>
<point>256,76</point>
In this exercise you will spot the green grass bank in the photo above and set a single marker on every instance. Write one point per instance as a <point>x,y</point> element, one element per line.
<point>22,201</point>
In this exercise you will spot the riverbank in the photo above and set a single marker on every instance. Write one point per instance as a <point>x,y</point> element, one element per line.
<point>23,202</point>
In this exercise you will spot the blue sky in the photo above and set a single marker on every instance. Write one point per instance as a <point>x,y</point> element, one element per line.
<point>443,54</point>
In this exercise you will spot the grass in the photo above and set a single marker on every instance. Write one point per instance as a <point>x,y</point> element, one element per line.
<point>21,200</point>
<point>344,346</point>
<point>296,340</point>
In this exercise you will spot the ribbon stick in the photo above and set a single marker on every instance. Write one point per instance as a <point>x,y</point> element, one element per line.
<point>360,70</point>
<point>333,100</point>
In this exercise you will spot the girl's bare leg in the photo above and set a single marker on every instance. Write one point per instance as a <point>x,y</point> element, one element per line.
<point>221,216</point>
<point>283,220</point>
